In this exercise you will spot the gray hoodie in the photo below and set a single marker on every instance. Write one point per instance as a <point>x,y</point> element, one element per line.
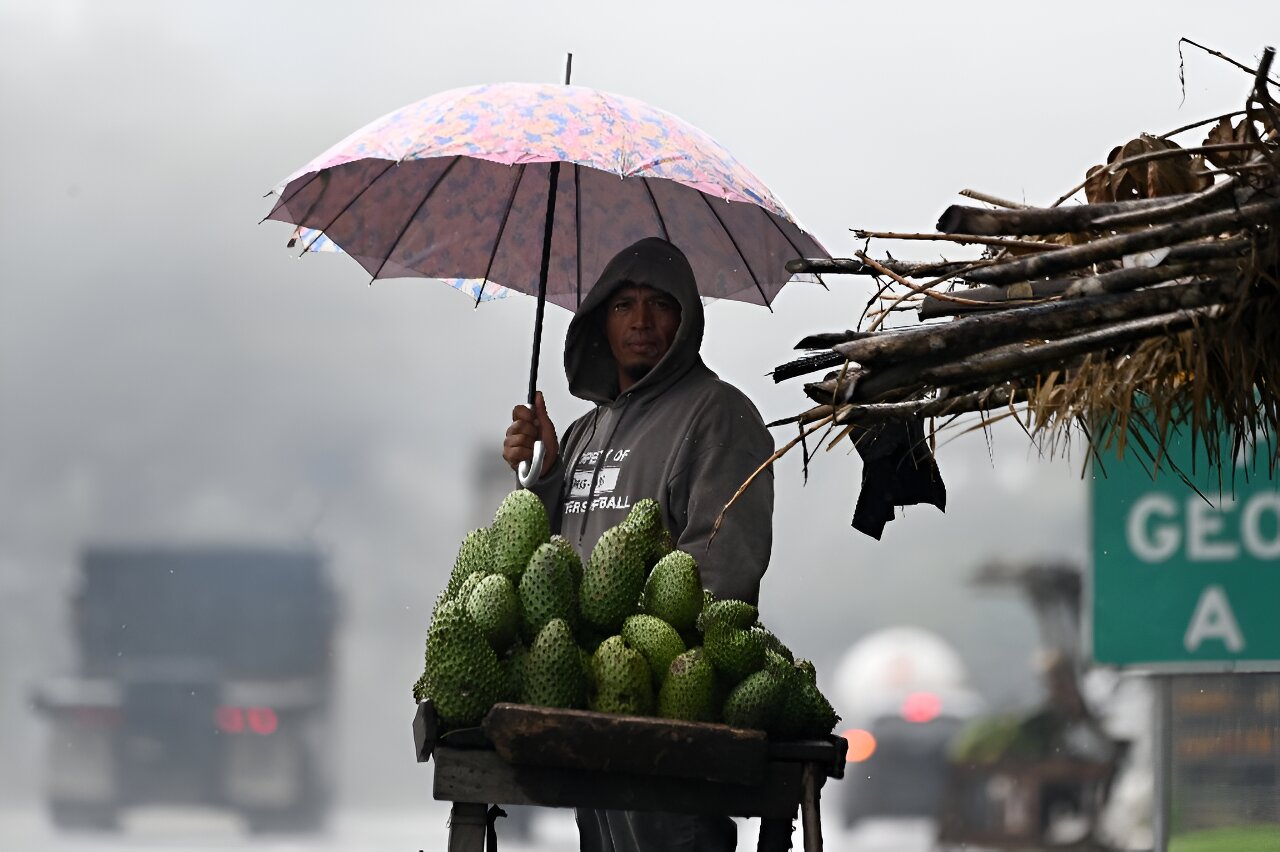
<point>679,435</point>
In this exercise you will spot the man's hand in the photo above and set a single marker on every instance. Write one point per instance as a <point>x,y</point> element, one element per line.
<point>526,427</point>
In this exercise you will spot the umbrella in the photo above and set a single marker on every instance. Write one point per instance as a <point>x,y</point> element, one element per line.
<point>534,187</point>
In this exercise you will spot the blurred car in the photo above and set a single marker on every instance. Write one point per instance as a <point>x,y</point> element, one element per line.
<point>905,693</point>
<point>203,678</point>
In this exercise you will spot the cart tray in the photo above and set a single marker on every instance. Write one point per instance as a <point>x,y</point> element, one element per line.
<point>605,742</point>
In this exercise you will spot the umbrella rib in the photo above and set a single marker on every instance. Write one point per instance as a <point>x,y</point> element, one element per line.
<point>737,248</point>
<point>414,215</point>
<point>283,201</point>
<point>662,223</point>
<point>497,241</point>
<point>799,252</point>
<point>577,230</point>
<point>354,199</point>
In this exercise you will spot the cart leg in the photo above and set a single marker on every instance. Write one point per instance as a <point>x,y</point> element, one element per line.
<point>775,834</point>
<point>810,818</point>
<point>467,823</point>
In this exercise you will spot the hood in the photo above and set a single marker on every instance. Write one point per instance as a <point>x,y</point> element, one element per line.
<point>588,361</point>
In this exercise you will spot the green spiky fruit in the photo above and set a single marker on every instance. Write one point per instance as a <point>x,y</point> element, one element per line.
<point>623,683</point>
<point>649,533</point>
<point>756,701</point>
<point>546,590</point>
<point>690,690</point>
<point>569,557</point>
<point>553,675</point>
<point>473,555</point>
<point>735,653</point>
<point>807,668</point>
<point>673,591</point>
<point>805,712</point>
<point>519,527</point>
<point>611,582</point>
<point>774,644</point>
<point>465,589</point>
<point>463,675</point>
<point>729,612</point>
<point>420,689</point>
<point>656,640</point>
<point>495,609</point>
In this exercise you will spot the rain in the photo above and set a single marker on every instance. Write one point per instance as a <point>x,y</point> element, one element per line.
<point>171,375</point>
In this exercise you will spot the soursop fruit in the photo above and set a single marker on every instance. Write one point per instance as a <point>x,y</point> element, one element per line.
<point>728,612</point>
<point>421,691</point>
<point>734,652</point>
<point>546,591</point>
<point>473,556</point>
<point>466,588</point>
<point>569,557</point>
<point>622,680</point>
<point>612,581</point>
<point>805,712</point>
<point>649,533</point>
<point>519,527</point>
<point>756,701</point>
<point>673,591</point>
<point>690,690</point>
<point>553,674</point>
<point>463,675</point>
<point>495,609</point>
<point>773,643</point>
<point>656,640</point>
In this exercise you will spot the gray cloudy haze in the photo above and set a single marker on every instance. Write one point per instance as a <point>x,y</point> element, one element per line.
<point>170,372</point>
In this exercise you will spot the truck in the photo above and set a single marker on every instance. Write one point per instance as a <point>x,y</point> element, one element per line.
<point>202,676</point>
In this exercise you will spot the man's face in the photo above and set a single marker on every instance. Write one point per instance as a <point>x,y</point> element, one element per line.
<point>640,323</point>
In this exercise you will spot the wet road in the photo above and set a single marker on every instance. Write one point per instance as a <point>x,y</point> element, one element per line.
<point>180,829</point>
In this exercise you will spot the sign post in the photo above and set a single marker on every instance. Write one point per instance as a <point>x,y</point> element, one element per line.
<point>1186,581</point>
<point>1186,578</point>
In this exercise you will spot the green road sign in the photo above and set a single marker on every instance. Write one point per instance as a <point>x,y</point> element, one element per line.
<point>1181,583</point>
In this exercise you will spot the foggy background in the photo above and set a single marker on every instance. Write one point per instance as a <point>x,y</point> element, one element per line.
<point>171,373</point>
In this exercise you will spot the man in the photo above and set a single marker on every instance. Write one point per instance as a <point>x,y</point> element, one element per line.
<point>664,427</point>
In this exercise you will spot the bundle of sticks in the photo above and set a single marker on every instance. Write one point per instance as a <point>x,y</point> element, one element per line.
<point>1153,306</point>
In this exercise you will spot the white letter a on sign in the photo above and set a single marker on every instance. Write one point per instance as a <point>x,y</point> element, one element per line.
<point>1213,619</point>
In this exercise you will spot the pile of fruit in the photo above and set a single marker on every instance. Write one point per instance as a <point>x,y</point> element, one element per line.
<point>632,631</point>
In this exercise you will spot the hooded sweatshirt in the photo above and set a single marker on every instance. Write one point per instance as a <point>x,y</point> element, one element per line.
<point>679,435</point>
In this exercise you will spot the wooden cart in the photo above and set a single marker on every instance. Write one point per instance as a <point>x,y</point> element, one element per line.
<point>523,755</point>
<point>1009,804</point>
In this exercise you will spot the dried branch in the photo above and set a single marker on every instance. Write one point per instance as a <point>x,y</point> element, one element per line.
<point>963,239</point>
<point>1112,248</point>
<point>1227,59</point>
<point>1082,217</point>
<point>966,335</point>
<point>715,528</point>
<point>907,268</point>
<point>983,400</point>
<point>991,199</point>
<point>1003,297</point>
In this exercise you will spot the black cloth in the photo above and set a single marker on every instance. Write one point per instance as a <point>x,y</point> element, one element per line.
<point>898,469</point>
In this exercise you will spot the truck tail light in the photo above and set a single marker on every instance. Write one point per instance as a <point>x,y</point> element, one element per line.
<point>236,720</point>
<point>921,707</point>
<point>262,720</point>
<point>862,744</point>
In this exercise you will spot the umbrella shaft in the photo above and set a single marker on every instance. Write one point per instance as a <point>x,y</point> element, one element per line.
<point>553,182</point>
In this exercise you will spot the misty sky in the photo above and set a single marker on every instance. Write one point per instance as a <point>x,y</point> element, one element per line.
<point>170,372</point>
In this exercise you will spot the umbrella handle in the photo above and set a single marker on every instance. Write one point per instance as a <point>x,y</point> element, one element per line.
<point>529,471</point>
